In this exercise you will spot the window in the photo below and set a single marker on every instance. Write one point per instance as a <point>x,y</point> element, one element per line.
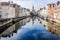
<point>0,16</point>
<point>0,11</point>
<point>0,7</point>
<point>50,5</point>
<point>6,14</point>
<point>53,5</point>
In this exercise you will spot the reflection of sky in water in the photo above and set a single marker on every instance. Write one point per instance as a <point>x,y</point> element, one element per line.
<point>32,31</point>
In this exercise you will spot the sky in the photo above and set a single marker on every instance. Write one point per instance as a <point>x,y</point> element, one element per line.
<point>29,3</point>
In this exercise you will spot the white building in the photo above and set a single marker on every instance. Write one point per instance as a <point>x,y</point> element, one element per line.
<point>11,10</point>
<point>27,12</point>
<point>43,12</point>
<point>8,10</point>
<point>20,12</point>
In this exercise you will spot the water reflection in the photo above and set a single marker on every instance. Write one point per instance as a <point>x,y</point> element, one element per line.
<point>33,18</point>
<point>31,29</point>
<point>13,29</point>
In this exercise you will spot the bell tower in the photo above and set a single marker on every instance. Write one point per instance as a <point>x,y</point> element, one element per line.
<point>33,10</point>
<point>32,7</point>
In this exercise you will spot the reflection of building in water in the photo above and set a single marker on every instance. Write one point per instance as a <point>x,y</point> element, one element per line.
<point>24,22</point>
<point>33,19</point>
<point>28,19</point>
<point>8,31</point>
<point>13,29</point>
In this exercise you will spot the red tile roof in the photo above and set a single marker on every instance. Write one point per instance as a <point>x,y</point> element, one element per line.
<point>4,3</point>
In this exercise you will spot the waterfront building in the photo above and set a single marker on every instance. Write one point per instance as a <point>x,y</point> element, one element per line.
<point>54,10</point>
<point>8,10</point>
<point>51,11</point>
<point>57,10</point>
<point>25,12</point>
<point>43,12</point>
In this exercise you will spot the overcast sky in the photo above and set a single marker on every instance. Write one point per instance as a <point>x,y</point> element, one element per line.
<point>29,3</point>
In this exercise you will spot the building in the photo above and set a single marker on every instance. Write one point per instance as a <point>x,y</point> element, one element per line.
<point>54,13</point>
<point>39,12</point>
<point>51,11</point>
<point>43,12</point>
<point>57,10</point>
<point>27,12</point>
<point>21,12</point>
<point>54,10</point>
<point>24,12</point>
<point>8,10</point>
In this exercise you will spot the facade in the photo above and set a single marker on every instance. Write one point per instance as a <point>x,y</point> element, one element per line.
<point>43,12</point>
<point>54,10</point>
<point>51,11</point>
<point>54,13</point>
<point>39,12</point>
<point>24,12</point>
<point>8,10</point>
<point>27,12</point>
<point>20,12</point>
<point>12,10</point>
<point>57,11</point>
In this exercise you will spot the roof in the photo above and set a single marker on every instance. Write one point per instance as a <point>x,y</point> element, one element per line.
<point>4,3</point>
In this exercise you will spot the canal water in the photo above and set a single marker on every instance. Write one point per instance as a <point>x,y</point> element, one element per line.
<point>28,29</point>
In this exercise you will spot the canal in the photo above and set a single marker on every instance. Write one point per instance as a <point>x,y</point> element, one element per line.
<point>28,29</point>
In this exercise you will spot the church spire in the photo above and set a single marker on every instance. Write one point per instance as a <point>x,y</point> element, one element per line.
<point>33,10</point>
<point>33,7</point>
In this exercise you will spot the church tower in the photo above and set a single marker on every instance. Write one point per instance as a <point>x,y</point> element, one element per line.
<point>32,7</point>
<point>33,10</point>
